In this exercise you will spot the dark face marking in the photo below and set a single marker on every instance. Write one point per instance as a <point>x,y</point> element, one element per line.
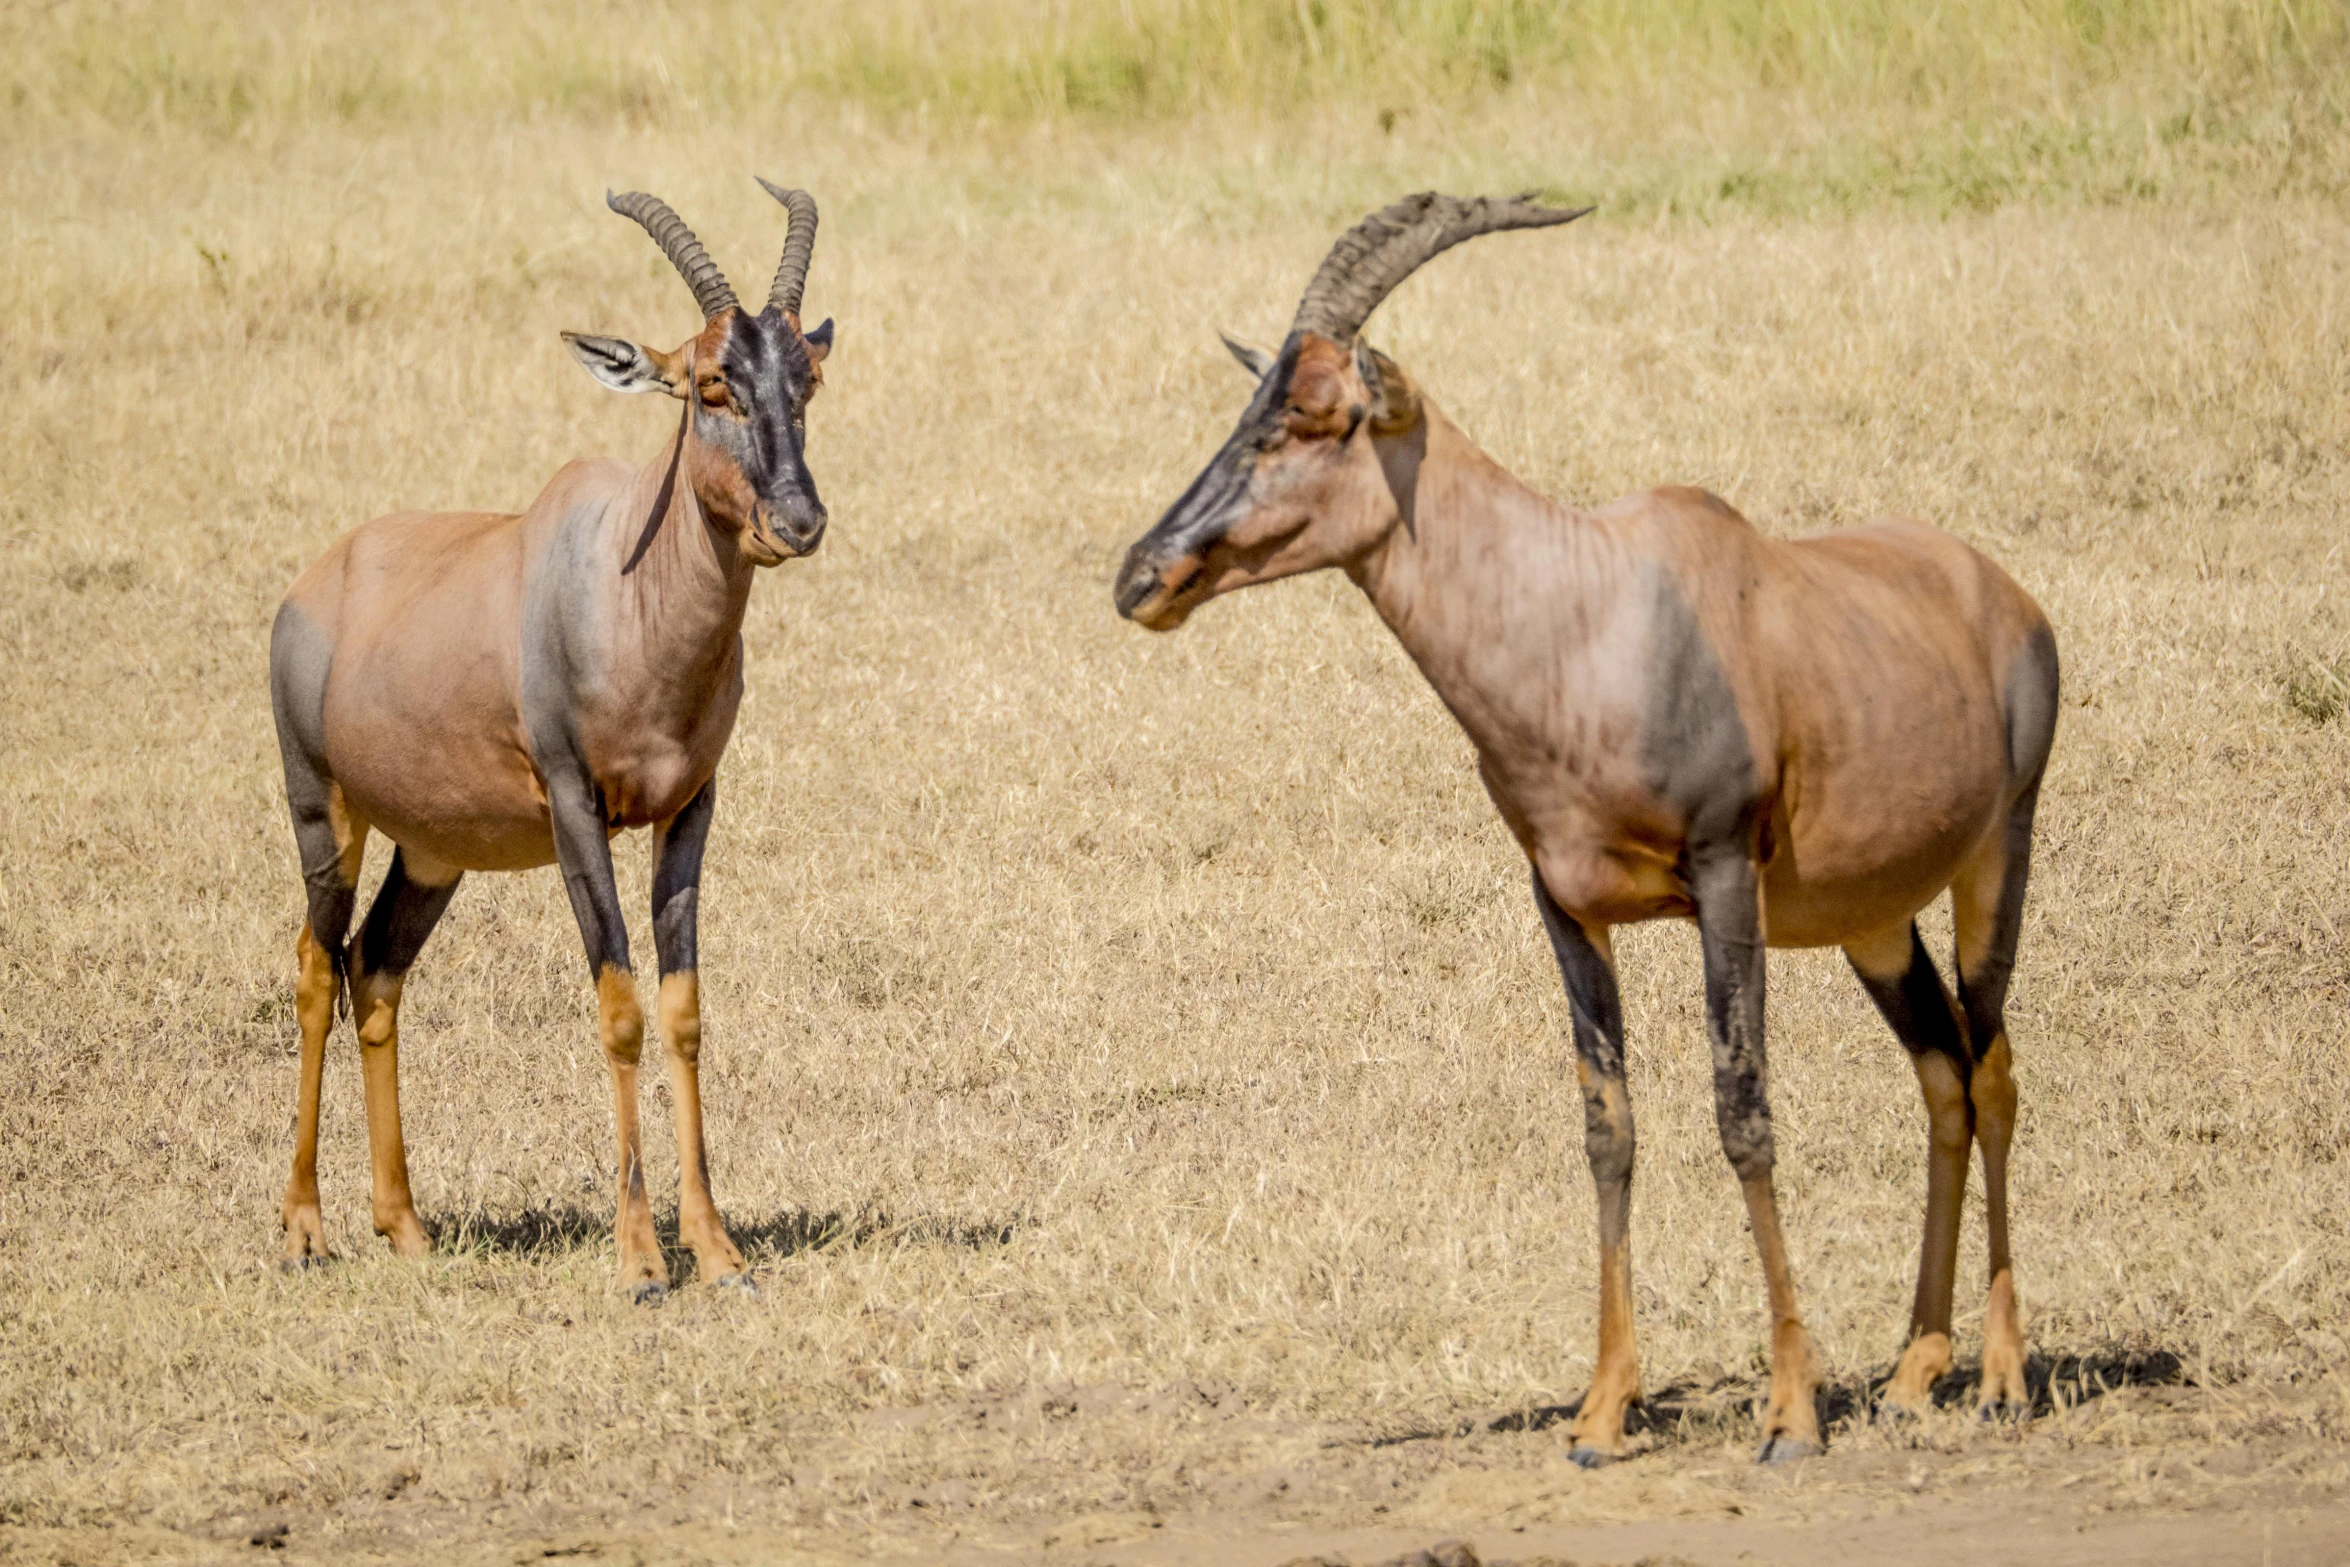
<point>752,405</point>
<point>1216,499</point>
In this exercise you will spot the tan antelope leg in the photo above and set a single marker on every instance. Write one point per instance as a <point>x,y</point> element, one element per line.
<point>415,893</point>
<point>1587,965</point>
<point>583,847</point>
<point>316,991</point>
<point>1988,905</point>
<point>621,1026</point>
<point>1791,1418</point>
<point>1729,927</point>
<point>1900,977</point>
<point>698,1224</point>
<point>677,872</point>
<point>337,840</point>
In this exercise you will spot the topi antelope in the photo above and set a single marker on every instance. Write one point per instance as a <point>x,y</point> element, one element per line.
<point>1797,743</point>
<point>493,692</point>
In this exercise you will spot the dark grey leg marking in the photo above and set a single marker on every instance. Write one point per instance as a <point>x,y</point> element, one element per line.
<point>1729,928</point>
<point>298,661</point>
<point>1983,993</point>
<point>1609,1144</point>
<point>401,918</point>
<point>1598,1010</point>
<point>677,879</point>
<point>585,854</point>
<point>1918,1009</point>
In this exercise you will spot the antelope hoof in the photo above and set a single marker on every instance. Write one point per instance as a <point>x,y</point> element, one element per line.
<point>305,1238</point>
<point>2005,1395</point>
<point>1786,1450</point>
<point>1585,1456</point>
<point>303,1263</point>
<point>407,1234</point>
<point>742,1282</point>
<point>649,1293</point>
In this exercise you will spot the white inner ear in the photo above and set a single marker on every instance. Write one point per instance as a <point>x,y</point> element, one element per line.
<point>615,361</point>
<point>1256,361</point>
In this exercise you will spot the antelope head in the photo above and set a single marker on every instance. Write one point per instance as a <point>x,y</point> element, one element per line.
<point>1303,482</point>
<point>745,380</point>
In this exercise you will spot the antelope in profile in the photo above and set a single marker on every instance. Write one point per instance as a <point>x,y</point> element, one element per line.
<point>1797,743</point>
<point>495,691</point>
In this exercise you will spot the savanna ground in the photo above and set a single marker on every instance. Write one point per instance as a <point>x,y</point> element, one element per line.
<point>1134,1068</point>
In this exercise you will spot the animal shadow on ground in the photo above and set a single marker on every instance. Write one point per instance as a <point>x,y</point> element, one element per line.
<point>1684,1412</point>
<point>552,1230</point>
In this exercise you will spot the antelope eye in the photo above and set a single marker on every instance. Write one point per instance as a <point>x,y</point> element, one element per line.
<point>716,393</point>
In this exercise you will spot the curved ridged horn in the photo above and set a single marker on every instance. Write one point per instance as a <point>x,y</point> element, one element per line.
<point>1378,253</point>
<point>711,290</point>
<point>799,246</point>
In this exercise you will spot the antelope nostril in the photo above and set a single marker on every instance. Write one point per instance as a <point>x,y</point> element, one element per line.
<point>1135,584</point>
<point>1142,578</point>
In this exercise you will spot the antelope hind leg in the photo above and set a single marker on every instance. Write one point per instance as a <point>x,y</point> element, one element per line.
<point>415,894</point>
<point>332,842</point>
<point>1900,978</point>
<point>1988,904</point>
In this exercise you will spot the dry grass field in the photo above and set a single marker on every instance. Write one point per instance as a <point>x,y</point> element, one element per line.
<point>1134,1068</point>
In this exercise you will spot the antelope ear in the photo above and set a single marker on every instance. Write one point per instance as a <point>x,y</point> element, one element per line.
<point>1256,361</point>
<point>819,341</point>
<point>1395,402</point>
<point>625,366</point>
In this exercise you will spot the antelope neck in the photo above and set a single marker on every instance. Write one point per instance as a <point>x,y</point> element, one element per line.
<point>1473,553</point>
<point>681,605</point>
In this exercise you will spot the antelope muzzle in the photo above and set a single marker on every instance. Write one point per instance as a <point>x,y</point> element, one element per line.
<point>789,530</point>
<point>1155,589</point>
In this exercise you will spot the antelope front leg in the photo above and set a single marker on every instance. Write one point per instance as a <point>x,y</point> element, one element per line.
<point>1587,965</point>
<point>1729,924</point>
<point>585,854</point>
<point>677,878</point>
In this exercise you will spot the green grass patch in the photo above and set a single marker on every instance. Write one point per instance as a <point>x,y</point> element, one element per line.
<point>1957,105</point>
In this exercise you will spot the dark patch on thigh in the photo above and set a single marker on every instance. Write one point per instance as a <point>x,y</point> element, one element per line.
<point>1694,749</point>
<point>299,658</point>
<point>2032,688</point>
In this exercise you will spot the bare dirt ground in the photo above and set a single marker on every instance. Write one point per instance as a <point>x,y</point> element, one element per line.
<point>1212,1483</point>
<point>1133,1066</point>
